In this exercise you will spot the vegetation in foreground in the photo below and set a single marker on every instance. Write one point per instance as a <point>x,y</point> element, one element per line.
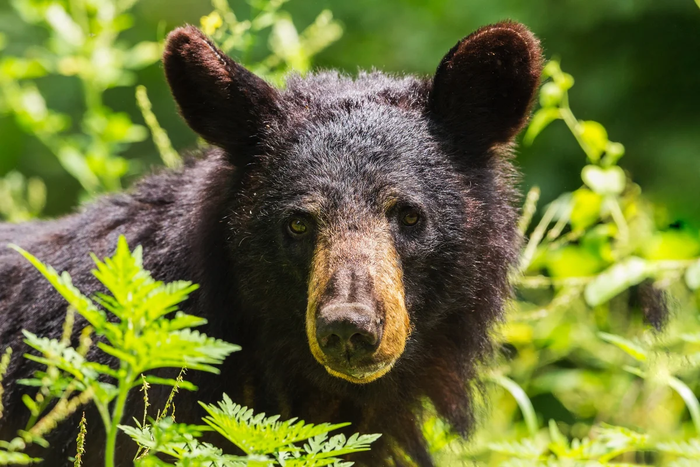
<point>146,312</point>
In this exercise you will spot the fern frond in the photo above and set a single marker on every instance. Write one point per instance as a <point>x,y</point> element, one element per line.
<point>257,434</point>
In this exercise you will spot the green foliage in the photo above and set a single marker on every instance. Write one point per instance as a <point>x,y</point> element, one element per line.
<point>290,50</point>
<point>84,42</point>
<point>4,363</point>
<point>169,156</point>
<point>556,450</point>
<point>147,332</point>
<point>598,260</point>
<point>21,199</point>
<point>265,440</point>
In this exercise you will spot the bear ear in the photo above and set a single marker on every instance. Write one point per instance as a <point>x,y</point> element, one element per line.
<point>223,102</point>
<point>483,88</point>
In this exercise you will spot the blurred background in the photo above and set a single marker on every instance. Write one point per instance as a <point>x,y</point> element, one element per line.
<point>84,109</point>
<point>636,64</point>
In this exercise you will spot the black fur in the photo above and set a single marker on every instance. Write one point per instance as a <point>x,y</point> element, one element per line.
<point>440,145</point>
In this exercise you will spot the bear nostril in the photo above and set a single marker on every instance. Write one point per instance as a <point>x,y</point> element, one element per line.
<point>362,341</point>
<point>331,342</point>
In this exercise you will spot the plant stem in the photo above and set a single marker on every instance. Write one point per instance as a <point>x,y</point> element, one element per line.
<point>521,398</point>
<point>104,413</point>
<point>570,119</point>
<point>619,218</point>
<point>529,209</point>
<point>691,402</point>
<point>117,413</point>
<point>537,235</point>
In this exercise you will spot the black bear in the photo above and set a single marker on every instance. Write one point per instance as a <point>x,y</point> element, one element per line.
<point>354,236</point>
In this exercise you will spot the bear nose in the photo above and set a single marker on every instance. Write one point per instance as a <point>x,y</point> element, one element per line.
<point>347,332</point>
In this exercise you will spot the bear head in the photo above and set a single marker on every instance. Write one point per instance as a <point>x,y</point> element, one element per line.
<point>373,222</point>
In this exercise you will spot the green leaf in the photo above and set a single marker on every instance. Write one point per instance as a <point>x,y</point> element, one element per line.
<point>550,94</point>
<point>692,275</point>
<point>672,245</point>
<point>64,26</point>
<point>573,261</point>
<point>21,68</point>
<point>62,356</point>
<point>559,442</point>
<point>75,164</point>
<point>594,137</point>
<point>162,348</point>
<point>520,396</point>
<point>617,278</point>
<point>118,127</point>
<point>142,54</point>
<point>585,210</point>
<point>689,449</point>
<point>16,458</point>
<point>257,434</point>
<point>540,120</point>
<point>564,80</point>
<point>604,181</point>
<point>527,448</point>
<point>551,68</point>
<point>613,152</point>
<point>632,349</point>
<point>64,286</point>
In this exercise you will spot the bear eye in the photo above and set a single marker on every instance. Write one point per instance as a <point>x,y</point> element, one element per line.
<point>297,227</point>
<point>410,218</point>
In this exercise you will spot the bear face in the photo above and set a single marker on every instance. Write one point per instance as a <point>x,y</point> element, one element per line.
<point>356,206</point>
<point>370,211</point>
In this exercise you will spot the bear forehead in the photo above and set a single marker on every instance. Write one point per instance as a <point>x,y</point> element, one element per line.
<point>356,142</point>
<point>373,151</point>
<point>331,88</point>
<point>340,126</point>
<point>350,166</point>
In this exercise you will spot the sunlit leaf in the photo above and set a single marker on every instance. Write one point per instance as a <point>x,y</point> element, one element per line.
<point>617,278</point>
<point>64,285</point>
<point>632,349</point>
<point>142,54</point>
<point>595,137</point>
<point>605,181</point>
<point>539,122</point>
<point>211,23</point>
<point>613,152</point>
<point>672,245</point>
<point>257,434</point>
<point>585,210</point>
<point>21,68</point>
<point>64,25</point>
<point>692,275</point>
<point>573,261</point>
<point>16,458</point>
<point>550,94</point>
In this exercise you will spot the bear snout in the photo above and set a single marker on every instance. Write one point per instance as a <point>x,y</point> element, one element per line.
<point>357,324</point>
<point>348,333</point>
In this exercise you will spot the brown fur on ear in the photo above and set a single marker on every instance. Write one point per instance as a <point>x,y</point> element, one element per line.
<point>484,87</point>
<point>222,101</point>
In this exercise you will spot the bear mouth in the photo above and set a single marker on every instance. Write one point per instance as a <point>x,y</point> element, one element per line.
<point>361,375</point>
